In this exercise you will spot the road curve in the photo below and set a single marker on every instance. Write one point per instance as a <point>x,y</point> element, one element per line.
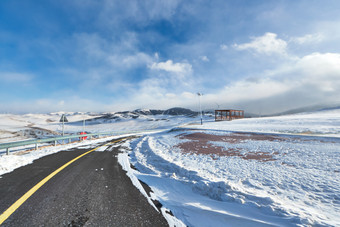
<point>91,191</point>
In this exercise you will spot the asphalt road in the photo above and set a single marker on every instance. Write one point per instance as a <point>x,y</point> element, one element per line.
<point>92,191</point>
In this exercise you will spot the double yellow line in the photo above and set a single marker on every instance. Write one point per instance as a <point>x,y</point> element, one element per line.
<point>28,194</point>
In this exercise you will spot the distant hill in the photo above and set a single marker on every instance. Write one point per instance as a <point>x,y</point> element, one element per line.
<point>146,114</point>
<point>180,111</point>
<point>308,109</point>
<point>331,108</point>
<point>172,111</point>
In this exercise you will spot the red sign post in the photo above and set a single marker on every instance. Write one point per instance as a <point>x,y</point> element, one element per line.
<point>84,137</point>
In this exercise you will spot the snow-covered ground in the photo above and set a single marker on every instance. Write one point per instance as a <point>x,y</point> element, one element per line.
<point>319,123</point>
<point>10,162</point>
<point>15,127</point>
<point>29,126</point>
<point>277,171</point>
<point>218,175</point>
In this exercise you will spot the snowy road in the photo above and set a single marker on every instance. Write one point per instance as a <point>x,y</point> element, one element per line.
<point>92,191</point>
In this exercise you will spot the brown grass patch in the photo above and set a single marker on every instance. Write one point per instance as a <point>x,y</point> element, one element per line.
<point>200,144</point>
<point>230,138</point>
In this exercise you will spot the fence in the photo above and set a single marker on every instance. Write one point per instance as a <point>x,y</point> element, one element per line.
<point>55,140</point>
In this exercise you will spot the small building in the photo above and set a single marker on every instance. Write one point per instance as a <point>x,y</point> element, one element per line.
<point>228,115</point>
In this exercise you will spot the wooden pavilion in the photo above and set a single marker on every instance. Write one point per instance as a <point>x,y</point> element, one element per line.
<point>228,115</point>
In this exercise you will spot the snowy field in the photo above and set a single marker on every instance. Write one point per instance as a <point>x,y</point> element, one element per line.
<point>320,123</point>
<point>234,174</point>
<point>15,127</point>
<point>31,126</point>
<point>276,171</point>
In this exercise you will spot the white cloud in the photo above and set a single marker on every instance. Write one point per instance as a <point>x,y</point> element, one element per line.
<point>322,71</point>
<point>188,95</point>
<point>168,85</point>
<point>169,66</point>
<point>267,44</point>
<point>312,79</point>
<point>160,8</point>
<point>169,76</point>
<point>91,46</point>
<point>170,95</point>
<point>137,59</point>
<point>95,50</point>
<point>309,38</point>
<point>113,14</point>
<point>223,47</point>
<point>245,91</point>
<point>73,103</point>
<point>321,65</point>
<point>14,77</point>
<point>61,103</point>
<point>204,58</point>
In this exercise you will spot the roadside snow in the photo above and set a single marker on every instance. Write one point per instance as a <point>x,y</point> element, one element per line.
<point>10,162</point>
<point>124,162</point>
<point>299,186</point>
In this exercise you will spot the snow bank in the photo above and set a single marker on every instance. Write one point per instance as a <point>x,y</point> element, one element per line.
<point>10,162</point>
<point>300,186</point>
<point>124,162</point>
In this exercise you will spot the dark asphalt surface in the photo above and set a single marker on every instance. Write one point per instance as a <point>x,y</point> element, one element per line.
<point>92,191</point>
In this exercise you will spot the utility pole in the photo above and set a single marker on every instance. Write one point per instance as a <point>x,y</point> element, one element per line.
<point>83,126</point>
<point>199,100</point>
<point>63,123</point>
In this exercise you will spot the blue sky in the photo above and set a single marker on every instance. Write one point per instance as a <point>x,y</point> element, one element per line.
<point>261,56</point>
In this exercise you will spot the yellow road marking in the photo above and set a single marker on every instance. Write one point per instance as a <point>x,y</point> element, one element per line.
<point>28,194</point>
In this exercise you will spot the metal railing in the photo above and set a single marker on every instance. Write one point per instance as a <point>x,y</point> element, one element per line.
<point>80,137</point>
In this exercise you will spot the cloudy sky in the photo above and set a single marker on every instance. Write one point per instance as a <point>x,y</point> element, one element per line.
<point>263,56</point>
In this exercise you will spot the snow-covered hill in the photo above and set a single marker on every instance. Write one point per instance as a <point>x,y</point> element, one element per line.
<point>20,127</point>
